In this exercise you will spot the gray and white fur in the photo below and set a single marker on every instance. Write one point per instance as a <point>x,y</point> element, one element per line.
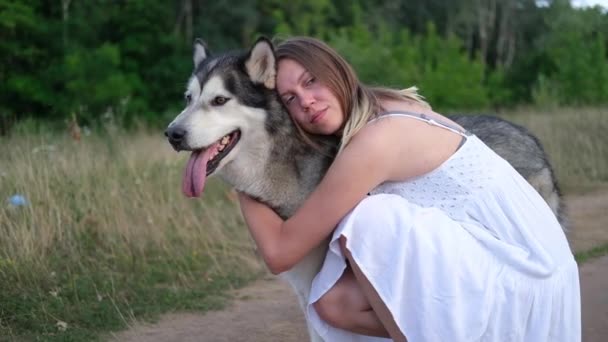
<point>273,164</point>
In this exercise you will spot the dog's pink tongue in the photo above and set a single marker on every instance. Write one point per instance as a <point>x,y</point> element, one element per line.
<point>195,174</point>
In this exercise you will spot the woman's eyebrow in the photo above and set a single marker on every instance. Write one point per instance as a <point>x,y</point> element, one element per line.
<point>304,73</point>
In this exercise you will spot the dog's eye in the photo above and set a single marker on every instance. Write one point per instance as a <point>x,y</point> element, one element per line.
<point>219,101</point>
<point>188,98</point>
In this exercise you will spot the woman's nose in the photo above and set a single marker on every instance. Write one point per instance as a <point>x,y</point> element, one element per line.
<point>306,101</point>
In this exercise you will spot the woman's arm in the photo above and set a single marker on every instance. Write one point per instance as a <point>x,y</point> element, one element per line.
<point>374,155</point>
<point>359,168</point>
<point>261,221</point>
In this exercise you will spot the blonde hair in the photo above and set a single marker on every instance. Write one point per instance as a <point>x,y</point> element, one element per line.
<point>360,103</point>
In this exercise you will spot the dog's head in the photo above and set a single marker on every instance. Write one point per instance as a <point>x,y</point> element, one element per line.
<point>228,98</point>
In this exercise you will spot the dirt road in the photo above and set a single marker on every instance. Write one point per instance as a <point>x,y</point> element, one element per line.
<point>267,310</point>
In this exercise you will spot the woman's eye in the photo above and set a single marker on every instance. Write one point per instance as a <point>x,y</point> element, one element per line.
<point>219,101</point>
<point>288,100</point>
<point>310,81</point>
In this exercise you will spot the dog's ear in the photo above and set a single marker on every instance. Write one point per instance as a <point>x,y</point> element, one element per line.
<point>200,52</point>
<point>261,63</point>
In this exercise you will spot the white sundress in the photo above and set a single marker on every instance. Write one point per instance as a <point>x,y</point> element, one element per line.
<point>467,252</point>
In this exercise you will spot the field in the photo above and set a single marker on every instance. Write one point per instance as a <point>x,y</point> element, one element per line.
<point>576,142</point>
<point>105,235</point>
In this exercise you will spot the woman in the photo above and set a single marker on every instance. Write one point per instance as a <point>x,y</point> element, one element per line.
<point>452,245</point>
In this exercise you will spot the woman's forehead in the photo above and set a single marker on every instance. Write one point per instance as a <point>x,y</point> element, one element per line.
<point>289,72</point>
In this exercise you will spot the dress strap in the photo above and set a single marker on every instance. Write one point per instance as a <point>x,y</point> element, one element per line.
<point>425,118</point>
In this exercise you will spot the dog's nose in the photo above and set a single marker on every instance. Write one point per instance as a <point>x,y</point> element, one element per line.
<point>175,134</point>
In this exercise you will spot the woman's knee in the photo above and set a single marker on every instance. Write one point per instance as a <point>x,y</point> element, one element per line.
<point>330,308</point>
<point>342,302</point>
<point>376,202</point>
<point>381,209</point>
<point>382,203</point>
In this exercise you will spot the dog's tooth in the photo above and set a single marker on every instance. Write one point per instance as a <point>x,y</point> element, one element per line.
<point>221,147</point>
<point>225,140</point>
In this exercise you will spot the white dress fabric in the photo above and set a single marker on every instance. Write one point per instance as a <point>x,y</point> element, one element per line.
<point>467,252</point>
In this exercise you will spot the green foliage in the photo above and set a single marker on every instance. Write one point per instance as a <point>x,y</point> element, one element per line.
<point>91,58</point>
<point>303,17</point>
<point>499,92</point>
<point>545,93</point>
<point>570,66</point>
<point>436,65</point>
<point>581,67</point>
<point>451,79</point>
<point>95,81</point>
<point>20,33</point>
<point>95,57</point>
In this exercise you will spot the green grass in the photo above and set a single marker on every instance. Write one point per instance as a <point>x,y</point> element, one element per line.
<point>92,300</point>
<point>591,254</point>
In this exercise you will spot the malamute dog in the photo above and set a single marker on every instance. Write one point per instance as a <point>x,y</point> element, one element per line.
<point>236,127</point>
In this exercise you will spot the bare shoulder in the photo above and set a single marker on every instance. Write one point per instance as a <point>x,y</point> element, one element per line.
<point>414,107</point>
<point>413,146</point>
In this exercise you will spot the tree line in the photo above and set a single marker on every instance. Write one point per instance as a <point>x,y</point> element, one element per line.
<point>129,59</point>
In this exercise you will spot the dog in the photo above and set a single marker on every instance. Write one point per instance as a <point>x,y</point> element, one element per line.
<point>236,128</point>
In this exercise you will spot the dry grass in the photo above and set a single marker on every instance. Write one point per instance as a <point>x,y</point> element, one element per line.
<point>576,140</point>
<point>109,206</point>
<point>122,189</point>
<point>108,236</point>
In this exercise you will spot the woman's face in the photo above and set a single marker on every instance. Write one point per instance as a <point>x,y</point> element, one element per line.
<point>311,104</point>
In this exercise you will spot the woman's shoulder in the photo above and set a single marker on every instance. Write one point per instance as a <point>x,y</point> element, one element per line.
<point>424,146</point>
<point>393,133</point>
<point>396,110</point>
<point>407,105</point>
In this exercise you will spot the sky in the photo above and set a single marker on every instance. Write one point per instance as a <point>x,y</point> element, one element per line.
<point>582,3</point>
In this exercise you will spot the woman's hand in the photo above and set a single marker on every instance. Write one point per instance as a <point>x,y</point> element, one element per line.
<point>264,226</point>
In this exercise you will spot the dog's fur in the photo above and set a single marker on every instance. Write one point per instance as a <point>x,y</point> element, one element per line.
<point>272,164</point>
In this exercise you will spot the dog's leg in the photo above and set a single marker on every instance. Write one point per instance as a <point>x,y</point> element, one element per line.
<point>296,283</point>
<point>300,277</point>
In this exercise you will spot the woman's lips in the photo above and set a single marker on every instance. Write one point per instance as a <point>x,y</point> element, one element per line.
<point>317,116</point>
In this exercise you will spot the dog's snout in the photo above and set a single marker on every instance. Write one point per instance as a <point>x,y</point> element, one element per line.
<point>175,134</point>
<point>176,137</point>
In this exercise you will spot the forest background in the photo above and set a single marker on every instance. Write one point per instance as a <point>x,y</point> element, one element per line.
<point>94,231</point>
<point>129,60</point>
